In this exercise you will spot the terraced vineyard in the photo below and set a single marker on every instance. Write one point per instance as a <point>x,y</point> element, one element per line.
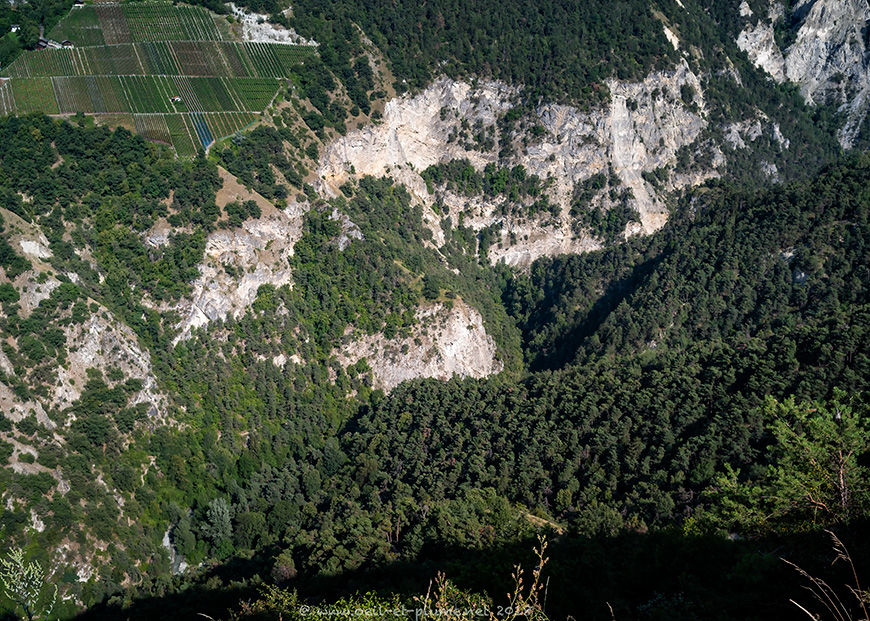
<point>81,26</point>
<point>176,69</point>
<point>7,103</point>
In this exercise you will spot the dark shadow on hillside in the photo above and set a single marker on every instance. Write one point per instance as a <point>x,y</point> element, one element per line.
<point>564,348</point>
<point>641,576</point>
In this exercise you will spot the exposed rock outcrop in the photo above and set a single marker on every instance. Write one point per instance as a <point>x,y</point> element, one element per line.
<point>257,27</point>
<point>15,408</point>
<point>446,341</point>
<point>671,37</point>
<point>34,286</point>
<point>759,44</point>
<point>649,121</point>
<point>100,342</point>
<point>237,262</point>
<point>641,130</point>
<point>104,343</point>
<point>739,133</point>
<point>829,57</point>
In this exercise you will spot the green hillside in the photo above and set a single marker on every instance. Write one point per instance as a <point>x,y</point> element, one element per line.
<point>349,329</point>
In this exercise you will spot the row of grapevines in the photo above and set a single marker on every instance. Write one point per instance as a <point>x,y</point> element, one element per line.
<point>33,95</point>
<point>113,23</point>
<point>80,26</point>
<point>160,21</point>
<point>180,135</point>
<point>152,127</point>
<point>7,102</point>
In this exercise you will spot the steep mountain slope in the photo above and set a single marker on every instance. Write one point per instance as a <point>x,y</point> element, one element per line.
<point>237,262</point>
<point>446,341</point>
<point>570,147</point>
<point>533,259</point>
<point>648,137</point>
<point>748,294</point>
<point>823,47</point>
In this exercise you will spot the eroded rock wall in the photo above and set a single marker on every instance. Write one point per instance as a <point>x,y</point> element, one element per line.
<point>829,57</point>
<point>641,130</point>
<point>447,340</point>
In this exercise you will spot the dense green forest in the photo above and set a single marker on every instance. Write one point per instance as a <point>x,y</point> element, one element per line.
<point>626,434</point>
<point>647,406</point>
<point>676,412</point>
<point>539,45</point>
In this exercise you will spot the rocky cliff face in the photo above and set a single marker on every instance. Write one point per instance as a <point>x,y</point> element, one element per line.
<point>415,135</point>
<point>447,340</point>
<point>759,43</point>
<point>237,262</point>
<point>641,130</point>
<point>649,122</point>
<point>15,408</point>
<point>104,343</point>
<point>829,58</point>
<point>257,27</point>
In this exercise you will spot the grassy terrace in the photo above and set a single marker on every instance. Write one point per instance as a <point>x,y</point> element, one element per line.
<point>173,74</point>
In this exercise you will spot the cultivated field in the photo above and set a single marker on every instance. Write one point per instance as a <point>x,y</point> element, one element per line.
<point>164,22</point>
<point>171,72</point>
<point>33,95</point>
<point>7,103</point>
<point>180,135</point>
<point>81,26</point>
<point>193,58</point>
